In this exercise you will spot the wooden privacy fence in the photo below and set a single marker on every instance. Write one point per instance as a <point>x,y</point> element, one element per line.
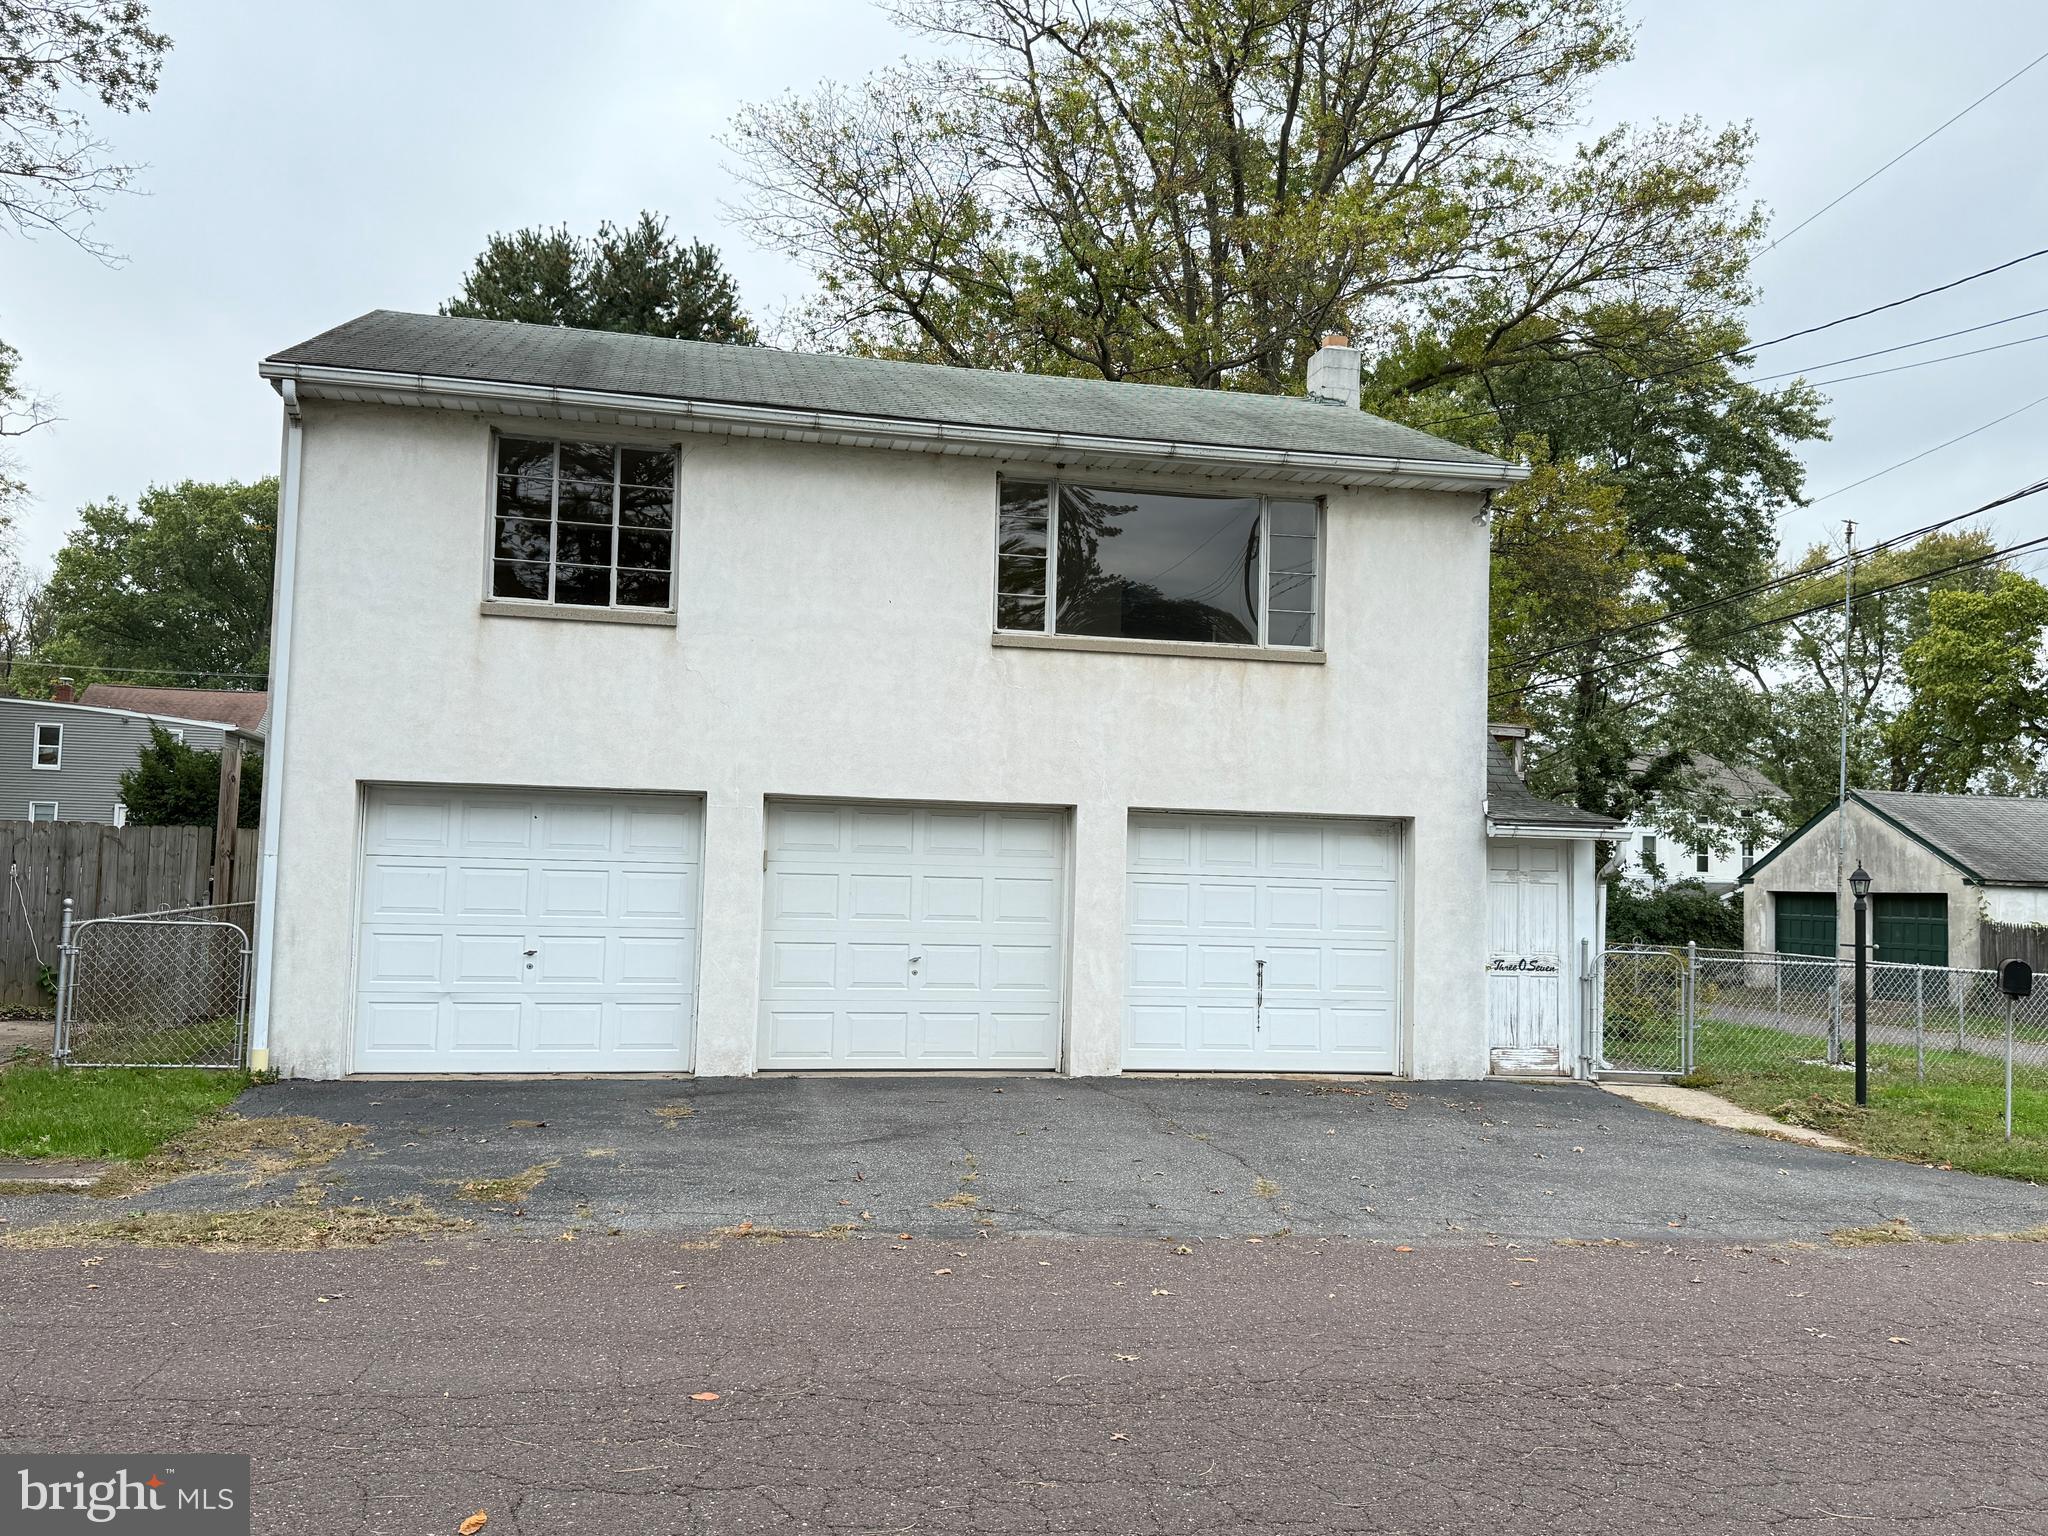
<point>107,872</point>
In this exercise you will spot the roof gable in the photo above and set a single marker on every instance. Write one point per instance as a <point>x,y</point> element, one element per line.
<point>1989,839</point>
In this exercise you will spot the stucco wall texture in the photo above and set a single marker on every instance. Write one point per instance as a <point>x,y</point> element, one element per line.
<point>834,641</point>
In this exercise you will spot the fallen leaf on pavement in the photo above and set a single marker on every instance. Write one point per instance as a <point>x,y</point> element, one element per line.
<point>1897,1340</point>
<point>473,1524</point>
<point>942,1271</point>
<point>1402,1248</point>
<point>703,1397</point>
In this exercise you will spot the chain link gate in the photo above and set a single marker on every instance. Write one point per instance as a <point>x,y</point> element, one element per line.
<point>157,989</point>
<point>1646,1013</point>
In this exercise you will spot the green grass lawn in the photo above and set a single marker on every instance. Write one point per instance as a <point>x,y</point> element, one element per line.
<point>105,1112</point>
<point>1956,1116</point>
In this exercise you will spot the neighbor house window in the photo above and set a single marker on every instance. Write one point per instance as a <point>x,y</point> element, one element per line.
<point>1649,851</point>
<point>1701,861</point>
<point>49,751</point>
<point>1157,565</point>
<point>42,810</point>
<point>589,525</point>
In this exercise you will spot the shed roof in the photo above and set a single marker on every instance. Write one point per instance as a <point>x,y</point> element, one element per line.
<point>1510,802</point>
<point>611,363</point>
<point>1990,839</point>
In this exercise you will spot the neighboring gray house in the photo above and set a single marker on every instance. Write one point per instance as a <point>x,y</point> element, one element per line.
<point>1957,880</point>
<point>61,759</point>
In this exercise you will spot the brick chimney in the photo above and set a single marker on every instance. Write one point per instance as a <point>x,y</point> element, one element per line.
<point>1333,372</point>
<point>63,693</point>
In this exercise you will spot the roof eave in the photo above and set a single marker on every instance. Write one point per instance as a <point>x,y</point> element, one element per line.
<point>1497,826</point>
<point>847,429</point>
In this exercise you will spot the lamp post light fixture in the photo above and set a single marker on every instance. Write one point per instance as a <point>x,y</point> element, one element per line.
<point>1860,884</point>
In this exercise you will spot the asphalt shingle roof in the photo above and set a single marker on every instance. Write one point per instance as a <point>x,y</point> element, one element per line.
<point>1999,840</point>
<point>497,351</point>
<point>244,710</point>
<point>1509,800</point>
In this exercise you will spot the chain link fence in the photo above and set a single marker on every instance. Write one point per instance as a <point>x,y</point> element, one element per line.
<point>1732,1015</point>
<point>156,989</point>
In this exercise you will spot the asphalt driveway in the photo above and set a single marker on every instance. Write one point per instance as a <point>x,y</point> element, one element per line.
<point>1159,1157</point>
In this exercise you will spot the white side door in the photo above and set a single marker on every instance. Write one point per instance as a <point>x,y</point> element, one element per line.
<point>527,931</point>
<point>1265,944</point>
<point>1528,1009</point>
<point>912,936</point>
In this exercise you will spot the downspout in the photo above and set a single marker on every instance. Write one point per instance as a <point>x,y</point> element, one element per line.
<point>1595,1032</point>
<point>284,583</point>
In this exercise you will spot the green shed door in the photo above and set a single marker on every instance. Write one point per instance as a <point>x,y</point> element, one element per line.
<point>1806,923</point>
<point>1910,930</point>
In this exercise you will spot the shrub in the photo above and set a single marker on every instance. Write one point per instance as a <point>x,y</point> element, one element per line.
<point>1678,914</point>
<point>173,785</point>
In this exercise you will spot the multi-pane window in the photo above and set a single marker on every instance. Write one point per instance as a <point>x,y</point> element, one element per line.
<point>42,810</point>
<point>587,524</point>
<point>1702,860</point>
<point>1157,565</point>
<point>49,750</point>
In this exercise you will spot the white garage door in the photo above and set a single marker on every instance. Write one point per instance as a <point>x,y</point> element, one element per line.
<point>901,936</point>
<point>1261,944</point>
<point>527,931</point>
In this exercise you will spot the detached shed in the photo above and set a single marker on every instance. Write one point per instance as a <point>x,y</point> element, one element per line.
<point>1956,880</point>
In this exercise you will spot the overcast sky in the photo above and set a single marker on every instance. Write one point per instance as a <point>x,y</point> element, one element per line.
<point>311,162</point>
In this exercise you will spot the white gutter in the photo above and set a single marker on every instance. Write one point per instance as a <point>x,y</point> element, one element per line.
<point>879,431</point>
<point>284,583</point>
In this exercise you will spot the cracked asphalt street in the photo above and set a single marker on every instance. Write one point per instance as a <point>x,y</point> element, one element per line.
<point>1059,1385</point>
<point>1044,1305</point>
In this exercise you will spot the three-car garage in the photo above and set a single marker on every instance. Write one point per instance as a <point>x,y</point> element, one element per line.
<point>510,931</point>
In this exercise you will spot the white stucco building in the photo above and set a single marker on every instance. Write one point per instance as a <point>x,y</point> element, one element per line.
<point>643,705</point>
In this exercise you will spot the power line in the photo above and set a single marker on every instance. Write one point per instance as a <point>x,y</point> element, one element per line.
<point>1927,362</point>
<point>83,666</point>
<point>1925,452</point>
<point>1537,685</point>
<point>1753,346</point>
<point>1794,578</point>
<point>1895,159</point>
<point>1904,346</point>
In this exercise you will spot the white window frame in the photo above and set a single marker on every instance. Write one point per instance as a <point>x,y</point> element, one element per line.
<point>35,748</point>
<point>52,804</point>
<point>548,604</point>
<point>176,733</point>
<point>1051,628</point>
<point>120,814</point>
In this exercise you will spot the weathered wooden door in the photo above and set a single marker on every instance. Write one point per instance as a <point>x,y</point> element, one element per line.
<point>1528,1008</point>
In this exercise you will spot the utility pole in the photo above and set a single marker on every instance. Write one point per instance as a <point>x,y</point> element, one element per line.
<point>1842,784</point>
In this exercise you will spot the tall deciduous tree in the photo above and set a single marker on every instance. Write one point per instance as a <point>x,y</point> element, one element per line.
<point>56,56</point>
<point>633,278</point>
<point>1193,191</point>
<point>176,590</point>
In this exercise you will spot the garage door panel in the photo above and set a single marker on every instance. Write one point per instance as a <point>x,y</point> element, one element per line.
<point>404,959</point>
<point>1157,903</point>
<point>490,890</point>
<point>503,827</point>
<point>508,931</point>
<point>951,915</point>
<point>1212,898</point>
<point>656,895</point>
<point>484,959</point>
<point>392,888</point>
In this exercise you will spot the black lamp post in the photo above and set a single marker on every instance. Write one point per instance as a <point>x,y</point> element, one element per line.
<point>1860,884</point>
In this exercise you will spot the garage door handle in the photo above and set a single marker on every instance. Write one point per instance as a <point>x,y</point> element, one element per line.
<point>531,953</point>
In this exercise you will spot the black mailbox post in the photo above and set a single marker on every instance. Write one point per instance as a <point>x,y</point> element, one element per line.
<point>2015,980</point>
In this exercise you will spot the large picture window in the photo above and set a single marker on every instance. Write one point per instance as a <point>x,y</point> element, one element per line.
<point>586,524</point>
<point>1157,565</point>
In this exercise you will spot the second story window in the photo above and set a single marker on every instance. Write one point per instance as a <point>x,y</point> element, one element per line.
<point>1158,565</point>
<point>586,524</point>
<point>49,751</point>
